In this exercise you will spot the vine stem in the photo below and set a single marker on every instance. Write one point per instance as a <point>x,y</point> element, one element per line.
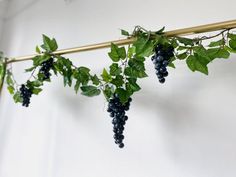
<point>210,37</point>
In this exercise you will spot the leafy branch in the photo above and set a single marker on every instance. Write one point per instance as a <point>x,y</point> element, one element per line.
<point>127,64</point>
<point>120,81</point>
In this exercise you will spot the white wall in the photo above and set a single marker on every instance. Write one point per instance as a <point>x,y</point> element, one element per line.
<point>184,128</point>
<point>1,26</point>
<point>3,7</point>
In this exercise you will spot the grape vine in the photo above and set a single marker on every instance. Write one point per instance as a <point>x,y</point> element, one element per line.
<point>120,81</point>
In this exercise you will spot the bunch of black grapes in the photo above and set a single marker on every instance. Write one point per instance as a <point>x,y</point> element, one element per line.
<point>117,113</point>
<point>46,66</point>
<point>161,59</point>
<point>25,94</point>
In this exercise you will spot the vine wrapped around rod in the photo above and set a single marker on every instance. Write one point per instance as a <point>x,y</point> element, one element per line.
<point>120,81</point>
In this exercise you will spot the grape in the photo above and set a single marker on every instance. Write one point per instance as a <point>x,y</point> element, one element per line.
<point>46,66</point>
<point>161,59</point>
<point>117,113</point>
<point>25,94</point>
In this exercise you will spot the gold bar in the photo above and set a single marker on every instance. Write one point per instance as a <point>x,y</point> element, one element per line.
<point>179,32</point>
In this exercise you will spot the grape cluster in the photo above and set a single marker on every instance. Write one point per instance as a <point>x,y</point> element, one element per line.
<point>25,94</point>
<point>117,113</point>
<point>46,66</point>
<point>161,59</point>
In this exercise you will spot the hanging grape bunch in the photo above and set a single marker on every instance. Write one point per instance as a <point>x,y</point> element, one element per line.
<point>161,59</point>
<point>46,66</point>
<point>117,113</point>
<point>25,94</point>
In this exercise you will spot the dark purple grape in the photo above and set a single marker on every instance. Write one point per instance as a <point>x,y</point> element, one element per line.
<point>161,59</point>
<point>25,94</point>
<point>117,112</point>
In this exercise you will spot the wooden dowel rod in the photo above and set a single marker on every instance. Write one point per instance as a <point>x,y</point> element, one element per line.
<point>179,32</point>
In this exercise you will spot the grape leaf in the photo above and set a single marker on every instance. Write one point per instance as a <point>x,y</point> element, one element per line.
<point>125,33</point>
<point>115,69</point>
<point>143,47</point>
<point>107,92</point>
<point>17,97</point>
<point>182,56</point>
<point>118,81</point>
<point>105,76</point>
<point>117,53</point>
<point>49,45</point>
<point>185,41</point>
<point>217,43</point>
<point>197,63</point>
<point>123,95</point>
<point>89,90</point>
<point>232,44</point>
<point>95,79</point>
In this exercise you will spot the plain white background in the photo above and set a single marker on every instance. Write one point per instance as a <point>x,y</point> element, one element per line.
<point>184,128</point>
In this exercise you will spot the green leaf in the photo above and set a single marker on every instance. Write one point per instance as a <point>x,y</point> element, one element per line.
<point>174,43</point>
<point>214,53</point>
<point>115,69</point>
<point>229,49</point>
<point>118,81</point>
<point>182,56</point>
<point>143,47</point>
<point>133,85</point>
<point>202,53</point>
<point>131,51</point>
<point>217,43</point>
<point>49,45</point>
<point>11,89</point>
<point>160,32</point>
<point>76,87</point>
<point>114,53</point>
<point>17,97</point>
<point>133,73</point>
<point>2,73</point>
<point>123,95</point>
<point>41,77</point>
<point>53,45</point>
<point>64,67</point>
<point>38,60</point>
<point>95,80</point>
<point>117,53</point>
<point>232,36</point>
<point>179,48</point>
<point>223,53</point>
<point>46,43</point>
<point>10,81</point>
<point>185,41</point>
<point>36,91</point>
<point>196,63</point>
<point>232,44</point>
<point>82,75</point>
<point>67,78</point>
<point>191,62</point>
<point>125,33</point>
<point>35,83</point>
<point>122,52</point>
<point>37,50</point>
<point>108,92</point>
<point>89,90</point>
<point>136,64</point>
<point>172,65</point>
<point>105,76</point>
